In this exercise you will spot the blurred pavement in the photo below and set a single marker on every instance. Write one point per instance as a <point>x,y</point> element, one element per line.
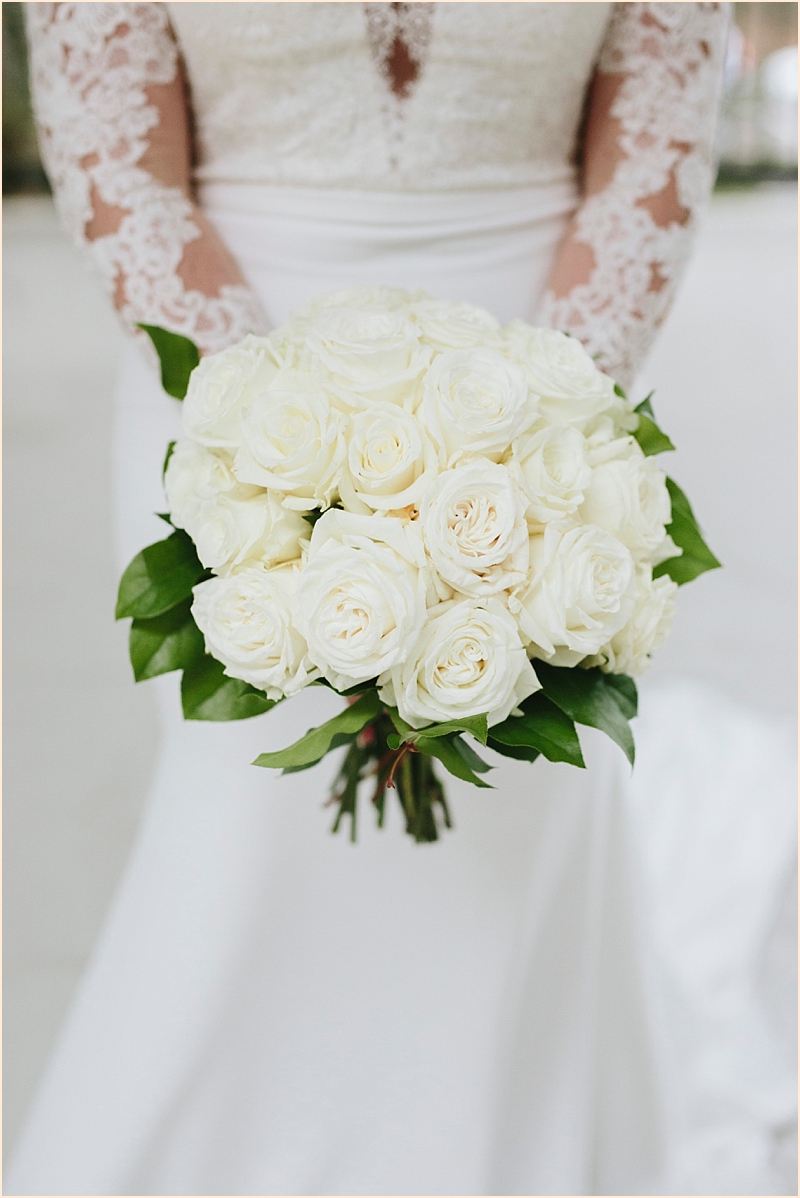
<point>80,738</point>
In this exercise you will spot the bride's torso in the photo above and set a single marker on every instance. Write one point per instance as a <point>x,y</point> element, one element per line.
<point>388,97</point>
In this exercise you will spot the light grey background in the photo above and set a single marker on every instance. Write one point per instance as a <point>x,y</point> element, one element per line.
<point>80,738</point>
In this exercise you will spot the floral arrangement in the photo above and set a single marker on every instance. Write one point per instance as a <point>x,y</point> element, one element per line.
<point>456,524</point>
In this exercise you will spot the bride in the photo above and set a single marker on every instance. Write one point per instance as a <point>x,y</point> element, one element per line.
<point>270,1009</point>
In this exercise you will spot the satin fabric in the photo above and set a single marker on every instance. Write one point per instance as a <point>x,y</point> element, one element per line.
<point>554,999</point>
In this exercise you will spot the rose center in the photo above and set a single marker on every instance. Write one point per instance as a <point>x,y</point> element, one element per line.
<point>473,525</point>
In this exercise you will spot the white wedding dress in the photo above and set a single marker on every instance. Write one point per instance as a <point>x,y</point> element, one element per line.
<point>559,997</point>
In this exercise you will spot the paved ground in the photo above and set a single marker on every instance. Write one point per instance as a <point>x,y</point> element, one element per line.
<point>80,738</point>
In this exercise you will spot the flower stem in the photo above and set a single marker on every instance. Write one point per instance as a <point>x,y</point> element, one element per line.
<point>405,770</point>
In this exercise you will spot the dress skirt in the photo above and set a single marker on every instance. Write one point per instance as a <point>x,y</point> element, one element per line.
<point>556,998</point>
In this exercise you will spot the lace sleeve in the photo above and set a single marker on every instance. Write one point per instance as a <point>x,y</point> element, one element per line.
<point>110,107</point>
<point>648,169</point>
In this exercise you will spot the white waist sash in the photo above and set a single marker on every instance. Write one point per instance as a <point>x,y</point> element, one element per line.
<point>493,248</point>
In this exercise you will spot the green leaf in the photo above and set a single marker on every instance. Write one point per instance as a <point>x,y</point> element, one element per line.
<point>339,740</point>
<point>207,693</point>
<point>444,750</point>
<point>626,693</point>
<point>618,391</point>
<point>178,357</point>
<point>589,698</point>
<point>358,689</point>
<point>399,723</point>
<point>685,532</point>
<point>165,516</point>
<point>520,752</point>
<point>648,434</point>
<point>544,727</point>
<point>171,641</point>
<point>159,577</point>
<point>167,456</point>
<point>474,724</point>
<point>650,437</point>
<point>472,759</point>
<point>644,407</point>
<point>318,741</point>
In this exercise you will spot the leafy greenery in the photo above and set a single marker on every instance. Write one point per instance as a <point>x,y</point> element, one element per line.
<point>207,693</point>
<point>167,456</point>
<point>444,742</point>
<point>588,697</point>
<point>171,641</point>
<point>626,694</point>
<point>520,752</point>
<point>452,758</point>
<point>685,532</point>
<point>543,727</point>
<point>178,357</point>
<point>410,774</point>
<point>648,434</point>
<point>474,724</point>
<point>472,759</point>
<point>160,576</point>
<point>318,741</point>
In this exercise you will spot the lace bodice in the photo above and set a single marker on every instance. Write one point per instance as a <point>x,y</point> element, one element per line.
<point>305,95</point>
<point>394,97</point>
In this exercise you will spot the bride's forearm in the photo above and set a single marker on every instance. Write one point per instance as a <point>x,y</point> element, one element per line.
<point>647,171</point>
<point>111,109</point>
<point>163,263</point>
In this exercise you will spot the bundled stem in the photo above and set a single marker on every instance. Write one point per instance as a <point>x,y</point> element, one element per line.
<point>405,770</point>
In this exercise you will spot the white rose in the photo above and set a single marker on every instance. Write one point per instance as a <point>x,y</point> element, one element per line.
<point>629,498</point>
<point>292,441</point>
<point>455,326</point>
<point>475,401</point>
<point>629,650</point>
<point>467,660</point>
<point>605,441</point>
<point>194,474</point>
<point>220,385</point>
<point>229,532</point>
<point>361,597</point>
<point>551,468</point>
<point>373,355</point>
<point>247,623</point>
<point>379,299</point>
<point>473,520</point>
<point>581,592</point>
<point>570,388</point>
<point>390,460</point>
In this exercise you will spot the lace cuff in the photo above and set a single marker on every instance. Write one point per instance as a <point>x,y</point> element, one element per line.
<point>96,71</point>
<point>663,64</point>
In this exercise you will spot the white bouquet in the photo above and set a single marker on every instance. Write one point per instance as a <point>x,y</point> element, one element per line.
<point>457,525</point>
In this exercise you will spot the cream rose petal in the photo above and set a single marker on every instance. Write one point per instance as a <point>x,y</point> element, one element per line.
<point>628,497</point>
<point>390,460</point>
<point>473,521</point>
<point>292,441</point>
<point>247,623</point>
<point>550,467</point>
<point>467,660</point>
<point>581,592</point>
<point>361,598</point>
<point>475,402</point>
<point>220,386</point>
